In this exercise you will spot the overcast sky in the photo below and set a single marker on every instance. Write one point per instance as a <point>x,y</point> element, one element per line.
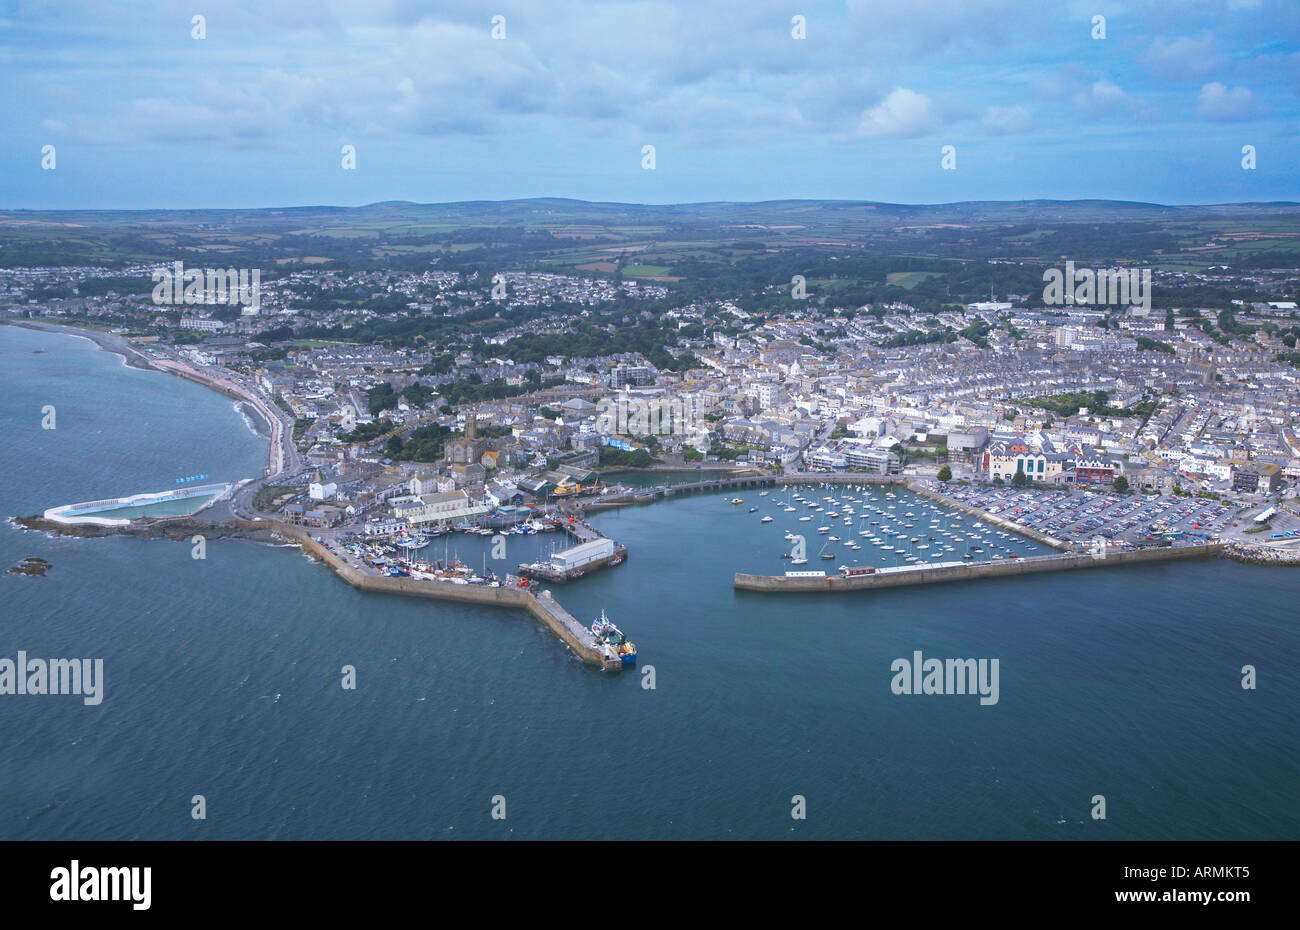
<point>143,115</point>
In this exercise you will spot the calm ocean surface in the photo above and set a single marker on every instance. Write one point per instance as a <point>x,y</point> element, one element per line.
<point>222,676</point>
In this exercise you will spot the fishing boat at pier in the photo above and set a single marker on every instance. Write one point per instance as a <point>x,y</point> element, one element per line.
<point>612,638</point>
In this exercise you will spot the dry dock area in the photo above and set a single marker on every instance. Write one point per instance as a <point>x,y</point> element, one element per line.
<point>963,571</point>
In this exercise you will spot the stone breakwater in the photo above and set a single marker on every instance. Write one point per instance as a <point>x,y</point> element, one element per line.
<point>897,577</point>
<point>544,608</point>
<point>1261,555</point>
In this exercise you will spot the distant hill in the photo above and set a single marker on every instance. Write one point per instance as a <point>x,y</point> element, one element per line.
<point>554,211</point>
<point>698,241</point>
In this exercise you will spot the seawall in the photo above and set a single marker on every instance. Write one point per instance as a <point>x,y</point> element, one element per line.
<point>898,577</point>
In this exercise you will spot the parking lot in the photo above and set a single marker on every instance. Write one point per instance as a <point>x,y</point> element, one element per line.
<point>1080,516</point>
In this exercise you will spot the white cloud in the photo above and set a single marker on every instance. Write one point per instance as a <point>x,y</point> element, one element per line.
<point>1220,103</point>
<point>1183,58</point>
<point>1105,98</point>
<point>1002,121</point>
<point>904,114</point>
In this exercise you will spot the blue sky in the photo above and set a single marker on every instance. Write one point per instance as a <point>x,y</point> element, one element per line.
<point>142,115</point>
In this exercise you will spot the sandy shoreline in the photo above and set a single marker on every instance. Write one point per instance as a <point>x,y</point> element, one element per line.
<point>106,341</point>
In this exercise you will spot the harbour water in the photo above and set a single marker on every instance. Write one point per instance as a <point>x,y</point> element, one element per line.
<point>222,676</point>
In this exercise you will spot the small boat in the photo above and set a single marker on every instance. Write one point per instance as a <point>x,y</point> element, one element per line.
<point>765,520</point>
<point>753,510</point>
<point>737,500</point>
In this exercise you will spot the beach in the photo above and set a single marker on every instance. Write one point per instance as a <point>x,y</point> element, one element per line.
<point>106,341</point>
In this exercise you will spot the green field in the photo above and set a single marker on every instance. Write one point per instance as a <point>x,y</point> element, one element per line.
<point>910,279</point>
<point>848,251</point>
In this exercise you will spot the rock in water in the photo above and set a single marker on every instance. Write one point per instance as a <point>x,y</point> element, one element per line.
<point>30,566</point>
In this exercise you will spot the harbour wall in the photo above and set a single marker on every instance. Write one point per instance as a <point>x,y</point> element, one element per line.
<point>937,574</point>
<point>544,608</point>
<point>985,517</point>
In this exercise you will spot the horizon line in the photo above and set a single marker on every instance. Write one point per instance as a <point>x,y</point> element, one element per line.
<point>678,204</point>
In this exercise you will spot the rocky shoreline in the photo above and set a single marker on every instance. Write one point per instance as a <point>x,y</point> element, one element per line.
<point>178,529</point>
<point>1260,555</point>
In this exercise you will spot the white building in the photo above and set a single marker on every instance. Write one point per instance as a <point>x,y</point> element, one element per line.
<point>769,394</point>
<point>585,554</point>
